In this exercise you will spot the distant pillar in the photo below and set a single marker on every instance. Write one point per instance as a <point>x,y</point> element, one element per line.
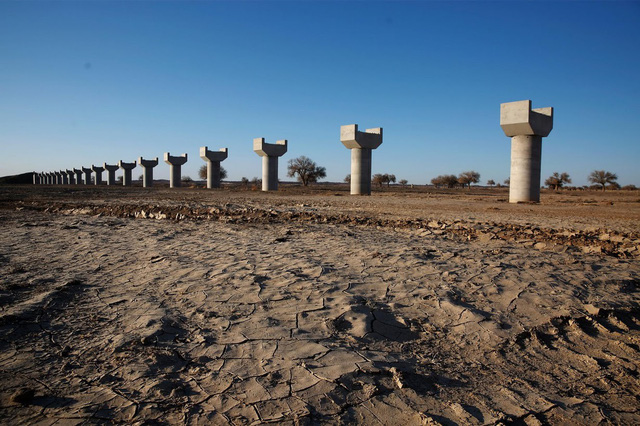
<point>64,179</point>
<point>526,127</point>
<point>98,171</point>
<point>35,178</point>
<point>71,177</point>
<point>147,167</point>
<point>78,174</point>
<point>213,159</point>
<point>270,154</point>
<point>87,175</point>
<point>360,144</point>
<point>58,178</point>
<point>111,173</point>
<point>175,169</point>
<point>126,174</point>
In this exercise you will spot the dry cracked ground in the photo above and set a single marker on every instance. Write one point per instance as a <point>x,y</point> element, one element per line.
<point>343,313</point>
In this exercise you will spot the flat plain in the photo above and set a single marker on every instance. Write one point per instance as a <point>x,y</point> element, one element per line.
<point>307,306</point>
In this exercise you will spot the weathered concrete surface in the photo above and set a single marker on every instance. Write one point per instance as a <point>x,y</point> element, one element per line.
<point>147,167</point>
<point>269,153</point>
<point>213,159</point>
<point>360,144</point>
<point>175,171</point>
<point>526,127</point>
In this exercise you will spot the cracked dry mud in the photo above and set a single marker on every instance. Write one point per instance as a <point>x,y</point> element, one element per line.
<point>122,319</point>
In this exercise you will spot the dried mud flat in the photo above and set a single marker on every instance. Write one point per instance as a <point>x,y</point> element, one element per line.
<point>193,306</point>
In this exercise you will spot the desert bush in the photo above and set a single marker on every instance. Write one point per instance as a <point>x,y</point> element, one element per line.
<point>602,178</point>
<point>467,178</point>
<point>306,170</point>
<point>557,180</point>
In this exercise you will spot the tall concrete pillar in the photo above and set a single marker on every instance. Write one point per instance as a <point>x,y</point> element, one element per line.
<point>71,177</point>
<point>35,178</point>
<point>98,171</point>
<point>58,178</point>
<point>87,175</point>
<point>78,176</point>
<point>269,153</point>
<point>111,172</point>
<point>213,159</point>
<point>46,178</point>
<point>175,169</point>
<point>64,179</point>
<point>526,127</point>
<point>360,144</point>
<point>126,171</point>
<point>147,167</point>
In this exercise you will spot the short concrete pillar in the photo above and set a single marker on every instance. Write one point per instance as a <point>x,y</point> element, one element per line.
<point>526,127</point>
<point>35,178</point>
<point>213,159</point>
<point>111,172</point>
<point>71,177</point>
<point>64,179</point>
<point>147,167</point>
<point>58,178</point>
<point>175,164</point>
<point>126,171</point>
<point>87,175</point>
<point>269,153</point>
<point>78,174</point>
<point>360,144</point>
<point>98,171</point>
<point>45,176</point>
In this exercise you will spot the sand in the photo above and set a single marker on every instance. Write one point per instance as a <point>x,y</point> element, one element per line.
<point>238,307</point>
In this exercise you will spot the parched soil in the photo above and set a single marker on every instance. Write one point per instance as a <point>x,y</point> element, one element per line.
<point>310,306</point>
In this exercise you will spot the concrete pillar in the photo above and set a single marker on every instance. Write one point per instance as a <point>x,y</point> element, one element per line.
<point>35,178</point>
<point>175,169</point>
<point>87,175</point>
<point>78,176</point>
<point>269,153</point>
<point>58,178</point>
<point>361,144</point>
<point>526,127</point>
<point>64,179</point>
<point>98,170</point>
<point>213,159</point>
<point>126,171</point>
<point>111,172</point>
<point>147,167</point>
<point>70,176</point>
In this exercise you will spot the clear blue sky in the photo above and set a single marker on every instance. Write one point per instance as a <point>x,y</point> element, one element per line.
<point>86,82</point>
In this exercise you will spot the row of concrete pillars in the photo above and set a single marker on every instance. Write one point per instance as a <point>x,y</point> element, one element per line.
<point>525,126</point>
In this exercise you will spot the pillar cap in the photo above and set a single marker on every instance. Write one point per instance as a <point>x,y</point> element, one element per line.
<point>352,138</point>
<point>517,118</point>
<point>264,149</point>
<point>175,161</point>
<point>207,155</point>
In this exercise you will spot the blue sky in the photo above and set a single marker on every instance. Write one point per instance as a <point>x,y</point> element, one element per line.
<point>89,82</point>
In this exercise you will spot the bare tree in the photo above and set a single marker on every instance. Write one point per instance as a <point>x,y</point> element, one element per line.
<point>467,178</point>
<point>244,181</point>
<point>347,179</point>
<point>557,180</point>
<point>450,181</point>
<point>378,179</point>
<point>491,182</point>
<point>202,172</point>
<point>507,181</point>
<point>306,169</point>
<point>602,178</point>
<point>403,182</point>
